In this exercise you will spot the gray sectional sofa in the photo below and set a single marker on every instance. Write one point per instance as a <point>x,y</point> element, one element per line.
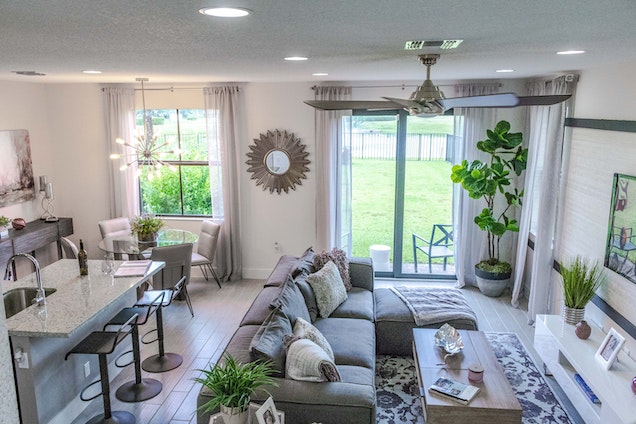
<point>349,330</point>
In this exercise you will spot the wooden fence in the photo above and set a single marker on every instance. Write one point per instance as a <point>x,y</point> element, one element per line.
<point>418,146</point>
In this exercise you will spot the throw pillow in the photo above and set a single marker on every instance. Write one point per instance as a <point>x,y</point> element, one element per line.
<point>328,288</point>
<point>308,295</point>
<point>338,257</point>
<point>267,343</point>
<point>305,330</point>
<point>291,302</point>
<point>306,361</point>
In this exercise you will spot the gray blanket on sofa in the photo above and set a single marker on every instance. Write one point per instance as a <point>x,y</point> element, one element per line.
<point>433,305</point>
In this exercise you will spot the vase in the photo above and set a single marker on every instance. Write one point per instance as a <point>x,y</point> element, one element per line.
<point>573,316</point>
<point>492,284</point>
<point>583,330</point>
<point>233,415</point>
<point>145,241</point>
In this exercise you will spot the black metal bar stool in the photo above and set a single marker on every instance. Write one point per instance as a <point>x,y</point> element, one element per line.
<point>139,389</point>
<point>103,343</point>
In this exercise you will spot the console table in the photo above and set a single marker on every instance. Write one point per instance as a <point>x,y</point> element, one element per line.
<point>564,355</point>
<point>35,235</point>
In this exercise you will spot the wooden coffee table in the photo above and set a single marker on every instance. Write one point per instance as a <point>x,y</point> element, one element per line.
<point>495,402</point>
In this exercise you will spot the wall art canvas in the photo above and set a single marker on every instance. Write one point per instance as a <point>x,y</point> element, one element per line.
<point>620,253</point>
<point>16,170</point>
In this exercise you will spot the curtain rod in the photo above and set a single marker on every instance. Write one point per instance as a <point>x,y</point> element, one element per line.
<point>170,88</point>
<point>403,86</point>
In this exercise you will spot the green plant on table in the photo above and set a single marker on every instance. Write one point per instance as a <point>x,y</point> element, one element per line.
<point>145,225</point>
<point>4,221</point>
<point>232,383</point>
<point>490,180</point>
<point>580,281</point>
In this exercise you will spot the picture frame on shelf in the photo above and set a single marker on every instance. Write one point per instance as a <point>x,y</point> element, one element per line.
<point>267,413</point>
<point>608,350</point>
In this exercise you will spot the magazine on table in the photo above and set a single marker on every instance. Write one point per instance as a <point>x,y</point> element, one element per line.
<point>454,390</point>
<point>133,268</point>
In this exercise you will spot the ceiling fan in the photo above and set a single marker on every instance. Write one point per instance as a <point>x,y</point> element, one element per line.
<point>428,100</point>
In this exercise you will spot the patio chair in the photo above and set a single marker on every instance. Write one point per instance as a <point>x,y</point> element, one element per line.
<point>440,245</point>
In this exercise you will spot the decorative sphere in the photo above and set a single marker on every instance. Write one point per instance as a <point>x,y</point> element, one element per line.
<point>634,385</point>
<point>583,330</point>
<point>18,223</point>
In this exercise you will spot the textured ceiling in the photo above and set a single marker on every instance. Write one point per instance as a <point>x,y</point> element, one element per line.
<point>352,40</point>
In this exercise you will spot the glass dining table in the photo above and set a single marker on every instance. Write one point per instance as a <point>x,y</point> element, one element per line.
<point>119,245</point>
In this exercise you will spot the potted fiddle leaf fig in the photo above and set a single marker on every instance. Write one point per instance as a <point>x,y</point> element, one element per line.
<point>231,384</point>
<point>492,181</point>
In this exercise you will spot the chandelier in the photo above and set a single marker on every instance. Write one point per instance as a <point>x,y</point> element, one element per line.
<point>146,151</point>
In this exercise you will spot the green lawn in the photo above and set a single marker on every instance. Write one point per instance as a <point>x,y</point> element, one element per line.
<point>428,200</point>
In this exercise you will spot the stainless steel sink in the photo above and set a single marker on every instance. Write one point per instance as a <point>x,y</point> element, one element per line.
<point>16,300</point>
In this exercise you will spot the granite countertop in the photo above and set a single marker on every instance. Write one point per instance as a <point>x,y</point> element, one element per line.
<point>76,301</point>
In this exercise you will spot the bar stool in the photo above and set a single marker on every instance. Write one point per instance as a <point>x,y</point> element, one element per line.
<point>139,389</point>
<point>103,343</point>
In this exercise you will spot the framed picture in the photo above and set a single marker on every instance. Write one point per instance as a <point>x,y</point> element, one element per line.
<point>267,413</point>
<point>608,351</point>
<point>620,251</point>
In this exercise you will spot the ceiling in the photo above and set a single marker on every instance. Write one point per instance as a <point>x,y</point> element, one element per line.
<point>351,40</point>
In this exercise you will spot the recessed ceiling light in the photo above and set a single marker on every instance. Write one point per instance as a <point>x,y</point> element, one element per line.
<point>320,74</point>
<point>91,71</point>
<point>225,12</point>
<point>295,58</point>
<point>503,71</point>
<point>571,52</point>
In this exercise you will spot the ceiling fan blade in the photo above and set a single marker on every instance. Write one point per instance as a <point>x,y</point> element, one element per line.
<point>351,104</point>
<point>490,100</point>
<point>542,100</point>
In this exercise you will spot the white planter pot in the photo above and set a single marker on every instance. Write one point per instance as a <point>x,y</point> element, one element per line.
<point>233,416</point>
<point>4,232</point>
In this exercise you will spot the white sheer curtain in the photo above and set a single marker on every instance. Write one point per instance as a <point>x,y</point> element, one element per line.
<point>224,123</point>
<point>333,174</point>
<point>470,241</point>
<point>120,122</point>
<point>544,135</point>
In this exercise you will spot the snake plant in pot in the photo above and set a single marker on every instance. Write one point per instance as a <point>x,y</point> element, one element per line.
<point>581,279</point>
<point>231,384</point>
<point>492,181</point>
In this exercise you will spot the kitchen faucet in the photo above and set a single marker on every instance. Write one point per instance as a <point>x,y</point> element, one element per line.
<point>40,298</point>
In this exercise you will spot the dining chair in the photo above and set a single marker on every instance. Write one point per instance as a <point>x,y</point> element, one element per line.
<point>115,227</point>
<point>206,249</point>
<point>69,248</point>
<point>171,281</point>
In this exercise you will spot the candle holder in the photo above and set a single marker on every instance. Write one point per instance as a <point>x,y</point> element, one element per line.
<point>46,188</point>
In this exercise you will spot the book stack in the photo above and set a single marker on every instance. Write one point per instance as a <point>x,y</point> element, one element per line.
<point>133,269</point>
<point>454,390</point>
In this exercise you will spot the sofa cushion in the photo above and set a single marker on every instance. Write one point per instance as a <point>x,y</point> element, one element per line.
<point>339,258</point>
<point>305,263</point>
<point>267,344</point>
<point>262,306</point>
<point>291,302</point>
<point>352,340</point>
<point>306,361</point>
<point>359,304</point>
<point>305,330</point>
<point>328,288</point>
<point>308,295</point>
<point>283,268</point>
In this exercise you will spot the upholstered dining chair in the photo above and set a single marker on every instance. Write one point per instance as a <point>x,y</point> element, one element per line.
<point>171,281</point>
<point>206,249</point>
<point>69,248</point>
<point>115,227</point>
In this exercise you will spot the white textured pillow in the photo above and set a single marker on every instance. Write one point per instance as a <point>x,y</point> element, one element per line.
<point>307,361</point>
<point>306,330</point>
<point>328,287</point>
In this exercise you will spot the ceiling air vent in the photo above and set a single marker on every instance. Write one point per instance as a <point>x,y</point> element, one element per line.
<point>443,44</point>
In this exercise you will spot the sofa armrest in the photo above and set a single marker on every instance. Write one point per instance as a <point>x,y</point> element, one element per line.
<point>361,272</point>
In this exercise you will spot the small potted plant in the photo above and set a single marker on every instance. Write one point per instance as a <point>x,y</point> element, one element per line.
<point>5,223</point>
<point>492,182</point>
<point>580,282</point>
<point>145,227</point>
<point>231,385</point>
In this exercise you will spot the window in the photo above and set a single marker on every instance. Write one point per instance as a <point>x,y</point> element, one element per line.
<point>186,190</point>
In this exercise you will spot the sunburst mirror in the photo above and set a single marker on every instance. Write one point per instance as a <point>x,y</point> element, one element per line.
<point>278,161</point>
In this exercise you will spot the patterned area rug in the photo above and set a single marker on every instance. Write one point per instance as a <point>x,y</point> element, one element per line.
<point>398,391</point>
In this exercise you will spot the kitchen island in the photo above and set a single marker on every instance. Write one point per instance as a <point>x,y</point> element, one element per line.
<point>48,386</point>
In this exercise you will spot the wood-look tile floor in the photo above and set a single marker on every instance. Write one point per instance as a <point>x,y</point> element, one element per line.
<point>201,340</point>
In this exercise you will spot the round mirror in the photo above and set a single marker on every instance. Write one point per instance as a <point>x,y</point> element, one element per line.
<point>277,162</point>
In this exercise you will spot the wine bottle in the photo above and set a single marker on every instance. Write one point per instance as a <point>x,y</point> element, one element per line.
<point>82,258</point>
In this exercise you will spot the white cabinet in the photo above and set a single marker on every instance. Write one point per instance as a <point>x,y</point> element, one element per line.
<point>564,355</point>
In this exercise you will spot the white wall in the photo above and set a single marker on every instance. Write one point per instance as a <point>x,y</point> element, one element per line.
<point>603,93</point>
